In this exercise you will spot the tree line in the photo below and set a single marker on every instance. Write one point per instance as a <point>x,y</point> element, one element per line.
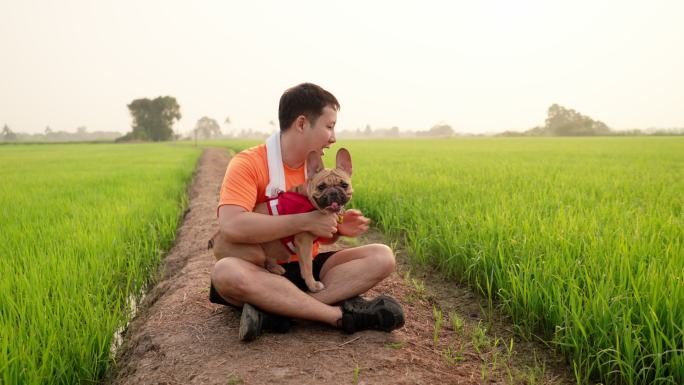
<point>439,130</point>
<point>49,135</point>
<point>153,120</point>
<point>561,121</point>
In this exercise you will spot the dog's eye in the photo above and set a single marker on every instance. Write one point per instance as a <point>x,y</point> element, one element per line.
<point>321,187</point>
<point>344,185</point>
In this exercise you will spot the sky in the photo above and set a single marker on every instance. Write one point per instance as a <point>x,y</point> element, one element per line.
<point>480,66</point>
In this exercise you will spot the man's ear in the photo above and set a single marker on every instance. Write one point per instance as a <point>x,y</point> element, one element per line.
<point>314,164</point>
<point>300,123</point>
<point>343,161</point>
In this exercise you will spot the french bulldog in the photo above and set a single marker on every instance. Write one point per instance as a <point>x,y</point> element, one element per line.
<point>325,190</point>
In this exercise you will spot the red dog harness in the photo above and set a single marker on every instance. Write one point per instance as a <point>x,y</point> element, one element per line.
<point>289,203</point>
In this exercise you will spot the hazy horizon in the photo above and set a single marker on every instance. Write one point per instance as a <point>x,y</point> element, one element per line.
<point>483,67</point>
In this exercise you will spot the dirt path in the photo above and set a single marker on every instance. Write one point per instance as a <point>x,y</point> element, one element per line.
<point>179,337</point>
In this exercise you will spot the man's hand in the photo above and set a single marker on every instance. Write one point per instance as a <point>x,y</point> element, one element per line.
<point>353,224</point>
<point>321,224</point>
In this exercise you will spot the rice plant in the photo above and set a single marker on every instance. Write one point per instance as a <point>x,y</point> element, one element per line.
<point>579,239</point>
<point>82,229</point>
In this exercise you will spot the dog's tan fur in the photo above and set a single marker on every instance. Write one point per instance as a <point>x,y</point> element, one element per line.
<point>268,254</point>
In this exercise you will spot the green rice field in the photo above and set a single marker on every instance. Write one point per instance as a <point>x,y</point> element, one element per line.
<point>82,229</point>
<point>579,240</point>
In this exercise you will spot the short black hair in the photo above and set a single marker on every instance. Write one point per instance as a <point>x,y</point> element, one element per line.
<point>305,99</point>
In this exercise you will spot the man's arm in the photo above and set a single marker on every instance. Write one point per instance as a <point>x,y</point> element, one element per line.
<point>241,226</point>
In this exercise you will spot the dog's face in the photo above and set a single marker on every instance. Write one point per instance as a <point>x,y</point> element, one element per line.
<point>329,189</point>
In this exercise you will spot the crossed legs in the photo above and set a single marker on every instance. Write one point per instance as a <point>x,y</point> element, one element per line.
<point>345,274</point>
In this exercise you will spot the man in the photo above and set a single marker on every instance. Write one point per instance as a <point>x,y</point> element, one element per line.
<point>307,115</point>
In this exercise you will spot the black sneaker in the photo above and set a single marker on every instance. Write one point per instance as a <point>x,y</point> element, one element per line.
<point>381,313</point>
<point>254,321</point>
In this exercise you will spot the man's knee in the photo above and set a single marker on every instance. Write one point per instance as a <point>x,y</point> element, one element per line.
<point>383,258</point>
<point>230,278</point>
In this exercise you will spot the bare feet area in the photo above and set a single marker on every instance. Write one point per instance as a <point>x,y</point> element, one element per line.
<point>179,337</point>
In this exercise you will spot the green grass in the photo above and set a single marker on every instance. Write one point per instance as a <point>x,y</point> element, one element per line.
<point>580,240</point>
<point>83,227</point>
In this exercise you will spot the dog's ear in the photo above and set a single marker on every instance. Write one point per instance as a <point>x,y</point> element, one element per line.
<point>314,164</point>
<point>343,161</point>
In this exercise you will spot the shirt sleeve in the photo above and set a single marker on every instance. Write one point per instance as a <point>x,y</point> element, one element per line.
<point>239,185</point>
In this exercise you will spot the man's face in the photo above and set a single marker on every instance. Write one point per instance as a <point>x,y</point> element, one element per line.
<point>322,134</point>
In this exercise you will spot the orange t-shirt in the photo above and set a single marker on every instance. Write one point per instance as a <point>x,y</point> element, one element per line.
<point>246,178</point>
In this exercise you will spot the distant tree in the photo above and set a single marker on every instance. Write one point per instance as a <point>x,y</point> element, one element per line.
<point>81,130</point>
<point>535,131</point>
<point>511,133</point>
<point>394,131</point>
<point>368,131</point>
<point>561,121</point>
<point>48,131</point>
<point>227,122</point>
<point>153,119</point>
<point>441,129</point>
<point>206,128</point>
<point>7,134</point>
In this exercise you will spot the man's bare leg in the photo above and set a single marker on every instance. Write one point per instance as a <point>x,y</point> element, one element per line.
<point>347,273</point>
<point>239,281</point>
<point>353,271</point>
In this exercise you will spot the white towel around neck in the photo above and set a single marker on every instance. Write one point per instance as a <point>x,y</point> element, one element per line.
<point>276,171</point>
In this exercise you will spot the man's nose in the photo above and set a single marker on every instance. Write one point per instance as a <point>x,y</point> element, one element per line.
<point>332,138</point>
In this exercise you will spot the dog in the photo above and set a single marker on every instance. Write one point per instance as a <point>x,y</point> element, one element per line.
<point>325,190</point>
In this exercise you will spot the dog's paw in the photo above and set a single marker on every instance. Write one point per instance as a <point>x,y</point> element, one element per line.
<point>316,287</point>
<point>276,269</point>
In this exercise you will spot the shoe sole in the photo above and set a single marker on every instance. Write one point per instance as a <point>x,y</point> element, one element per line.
<point>250,323</point>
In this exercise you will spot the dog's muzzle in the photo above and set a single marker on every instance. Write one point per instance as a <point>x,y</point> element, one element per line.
<point>332,195</point>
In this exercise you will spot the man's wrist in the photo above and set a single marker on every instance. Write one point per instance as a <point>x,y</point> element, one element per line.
<point>338,233</point>
<point>301,223</point>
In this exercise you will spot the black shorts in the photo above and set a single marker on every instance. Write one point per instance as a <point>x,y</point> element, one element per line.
<point>292,273</point>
